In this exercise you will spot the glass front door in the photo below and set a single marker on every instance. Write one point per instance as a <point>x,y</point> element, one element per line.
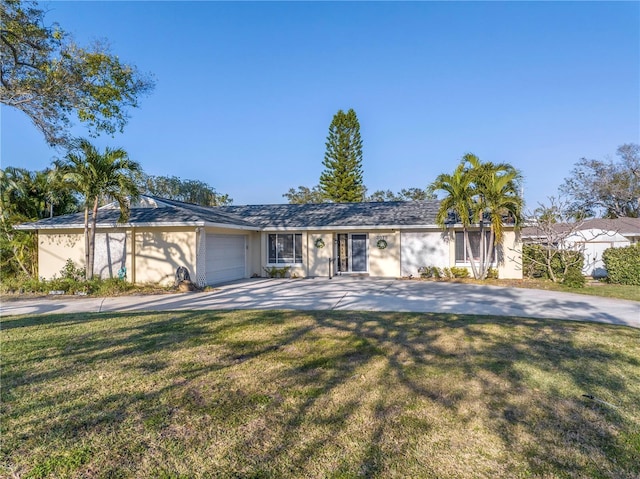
<point>352,253</point>
<point>359,253</point>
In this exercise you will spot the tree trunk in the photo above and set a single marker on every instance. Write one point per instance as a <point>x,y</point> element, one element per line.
<point>16,256</point>
<point>92,237</point>
<point>552,275</point>
<point>489,255</point>
<point>86,241</point>
<point>482,247</point>
<point>470,254</point>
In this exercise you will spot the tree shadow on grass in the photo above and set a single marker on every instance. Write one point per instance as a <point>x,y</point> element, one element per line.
<point>342,394</point>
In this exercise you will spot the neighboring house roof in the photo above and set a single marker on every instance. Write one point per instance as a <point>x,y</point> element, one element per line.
<point>153,211</point>
<point>624,226</point>
<point>628,227</point>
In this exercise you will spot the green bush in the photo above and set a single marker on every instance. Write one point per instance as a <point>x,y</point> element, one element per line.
<point>430,272</point>
<point>623,265</point>
<point>563,263</point>
<point>69,283</point>
<point>276,272</point>
<point>458,272</point>
<point>443,273</point>
<point>71,271</point>
<point>110,286</point>
<point>61,284</point>
<point>71,280</point>
<point>492,273</point>
<point>574,279</point>
<point>533,260</point>
<point>9,284</point>
<point>424,272</point>
<point>34,285</point>
<point>21,284</point>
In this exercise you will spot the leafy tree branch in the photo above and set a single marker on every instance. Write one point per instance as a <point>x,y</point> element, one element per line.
<point>51,79</point>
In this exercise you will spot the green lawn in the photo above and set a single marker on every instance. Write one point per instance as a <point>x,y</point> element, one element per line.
<point>618,291</point>
<point>342,395</point>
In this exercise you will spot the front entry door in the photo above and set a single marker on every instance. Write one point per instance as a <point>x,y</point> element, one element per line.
<point>352,253</point>
<point>359,253</point>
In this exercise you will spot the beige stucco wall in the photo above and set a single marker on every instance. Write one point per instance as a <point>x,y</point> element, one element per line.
<point>254,260</point>
<point>315,261</point>
<point>384,262</point>
<point>159,253</point>
<point>318,258</point>
<point>56,247</point>
<point>422,248</point>
<point>154,256</point>
<point>511,265</point>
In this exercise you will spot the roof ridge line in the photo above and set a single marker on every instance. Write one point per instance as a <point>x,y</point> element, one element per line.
<point>190,207</point>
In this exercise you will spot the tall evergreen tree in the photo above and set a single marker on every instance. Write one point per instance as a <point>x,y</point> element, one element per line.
<point>341,181</point>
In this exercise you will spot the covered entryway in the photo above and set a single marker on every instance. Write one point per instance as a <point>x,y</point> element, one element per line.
<point>352,253</point>
<point>225,258</point>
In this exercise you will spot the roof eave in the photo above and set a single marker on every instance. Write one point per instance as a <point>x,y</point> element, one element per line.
<point>154,224</point>
<point>36,227</point>
<point>349,227</point>
<point>210,224</point>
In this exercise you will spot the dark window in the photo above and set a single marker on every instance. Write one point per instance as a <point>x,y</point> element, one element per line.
<point>474,239</point>
<point>285,248</point>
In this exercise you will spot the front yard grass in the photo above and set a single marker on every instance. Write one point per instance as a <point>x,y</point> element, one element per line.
<point>592,288</point>
<point>247,394</point>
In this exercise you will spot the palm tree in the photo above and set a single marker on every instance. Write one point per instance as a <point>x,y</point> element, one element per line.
<point>496,198</point>
<point>27,196</point>
<point>459,202</point>
<point>18,204</point>
<point>477,192</point>
<point>98,176</point>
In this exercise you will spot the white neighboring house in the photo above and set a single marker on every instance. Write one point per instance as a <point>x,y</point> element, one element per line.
<point>593,237</point>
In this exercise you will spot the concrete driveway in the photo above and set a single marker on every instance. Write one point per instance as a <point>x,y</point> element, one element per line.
<point>356,294</point>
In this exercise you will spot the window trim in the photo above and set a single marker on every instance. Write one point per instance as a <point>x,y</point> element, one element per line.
<point>296,254</point>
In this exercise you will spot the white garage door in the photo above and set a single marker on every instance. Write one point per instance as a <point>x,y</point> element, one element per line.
<point>225,258</point>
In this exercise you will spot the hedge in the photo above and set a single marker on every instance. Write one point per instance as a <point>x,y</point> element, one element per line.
<point>534,264</point>
<point>623,265</point>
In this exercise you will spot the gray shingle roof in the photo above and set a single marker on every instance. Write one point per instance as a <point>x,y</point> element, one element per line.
<point>307,216</point>
<point>380,214</point>
<point>174,214</point>
<point>109,218</point>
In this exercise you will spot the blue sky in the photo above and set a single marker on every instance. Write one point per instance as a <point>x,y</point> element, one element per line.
<point>246,91</point>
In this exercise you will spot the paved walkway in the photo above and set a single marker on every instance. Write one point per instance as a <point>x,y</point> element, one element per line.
<point>356,294</point>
